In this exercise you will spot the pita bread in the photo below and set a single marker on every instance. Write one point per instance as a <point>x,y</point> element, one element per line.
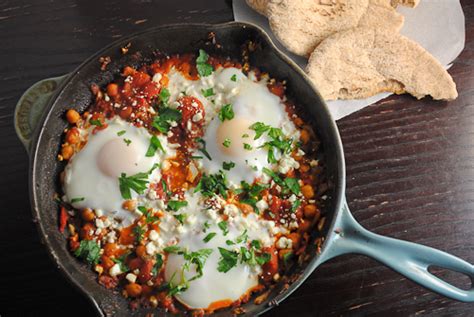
<point>406,3</point>
<point>258,5</point>
<point>380,13</point>
<point>362,62</point>
<point>302,24</point>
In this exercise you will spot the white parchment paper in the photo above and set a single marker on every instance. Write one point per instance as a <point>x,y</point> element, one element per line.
<point>437,25</point>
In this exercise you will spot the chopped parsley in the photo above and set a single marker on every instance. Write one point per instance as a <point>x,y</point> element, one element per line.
<point>89,251</point>
<point>203,148</point>
<point>226,112</point>
<point>162,122</point>
<point>155,144</point>
<point>223,226</point>
<point>137,183</point>
<point>95,122</point>
<point>204,69</point>
<point>228,165</point>
<point>295,205</point>
<point>158,265</point>
<point>209,237</point>
<point>233,77</point>
<point>250,194</point>
<point>245,135</point>
<point>293,185</point>
<point>247,146</point>
<point>197,157</point>
<point>164,96</point>
<point>122,132</point>
<point>181,218</point>
<point>175,205</point>
<point>287,257</point>
<point>206,226</point>
<point>208,92</point>
<point>227,261</point>
<point>127,141</point>
<point>149,218</point>
<point>226,142</point>
<point>138,231</point>
<point>121,262</point>
<point>212,184</point>
<point>174,249</point>
<point>263,258</point>
<point>77,199</point>
<point>260,128</point>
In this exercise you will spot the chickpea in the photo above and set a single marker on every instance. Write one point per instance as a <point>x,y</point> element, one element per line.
<point>112,90</point>
<point>87,214</point>
<point>133,289</point>
<point>110,249</point>
<point>125,112</point>
<point>246,208</point>
<point>298,122</point>
<point>106,262</point>
<point>310,211</point>
<point>128,71</point>
<point>129,204</point>
<point>304,226</point>
<point>304,136</point>
<point>141,251</point>
<point>87,231</point>
<point>295,239</point>
<point>304,168</point>
<point>72,136</point>
<point>307,191</point>
<point>67,151</point>
<point>72,116</point>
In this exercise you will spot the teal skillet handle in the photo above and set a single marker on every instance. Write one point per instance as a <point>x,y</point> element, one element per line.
<point>409,259</point>
<point>31,106</point>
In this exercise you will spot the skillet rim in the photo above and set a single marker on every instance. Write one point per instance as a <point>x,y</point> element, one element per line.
<point>339,179</point>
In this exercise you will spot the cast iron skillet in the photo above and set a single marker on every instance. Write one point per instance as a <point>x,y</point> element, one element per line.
<point>44,105</point>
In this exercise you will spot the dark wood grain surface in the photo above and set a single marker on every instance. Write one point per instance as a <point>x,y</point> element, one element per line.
<point>410,166</point>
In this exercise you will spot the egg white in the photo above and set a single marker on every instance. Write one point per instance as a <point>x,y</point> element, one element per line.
<point>88,176</point>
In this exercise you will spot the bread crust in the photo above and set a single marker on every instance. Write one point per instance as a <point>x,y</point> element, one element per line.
<point>363,62</point>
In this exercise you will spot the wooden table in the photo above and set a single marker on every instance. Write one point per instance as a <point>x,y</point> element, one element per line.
<point>409,168</point>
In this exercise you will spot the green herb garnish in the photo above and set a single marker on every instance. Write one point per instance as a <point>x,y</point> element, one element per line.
<point>89,251</point>
<point>162,122</point>
<point>122,132</point>
<point>227,261</point>
<point>77,199</point>
<point>204,69</point>
<point>175,205</point>
<point>207,92</point>
<point>203,148</point>
<point>223,226</point>
<point>137,183</point>
<point>209,237</point>
<point>127,141</point>
<point>228,165</point>
<point>226,142</point>
<point>95,122</point>
<point>233,77</point>
<point>155,144</point>
<point>226,112</point>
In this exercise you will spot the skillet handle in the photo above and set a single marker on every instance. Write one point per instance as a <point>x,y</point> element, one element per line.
<point>409,259</point>
<point>31,106</point>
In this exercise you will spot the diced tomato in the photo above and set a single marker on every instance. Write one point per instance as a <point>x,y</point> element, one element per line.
<point>145,272</point>
<point>63,217</point>
<point>271,267</point>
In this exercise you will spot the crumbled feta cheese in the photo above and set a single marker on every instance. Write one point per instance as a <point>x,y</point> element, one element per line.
<point>314,163</point>
<point>153,235</point>
<point>284,243</point>
<point>99,212</point>
<point>132,278</point>
<point>231,210</point>
<point>286,164</point>
<point>150,248</point>
<point>292,198</point>
<point>99,223</point>
<point>157,77</point>
<point>173,124</point>
<point>197,117</point>
<point>293,225</point>
<point>262,205</point>
<point>115,270</point>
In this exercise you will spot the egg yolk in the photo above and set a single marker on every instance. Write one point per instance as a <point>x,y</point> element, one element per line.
<point>233,134</point>
<point>116,157</point>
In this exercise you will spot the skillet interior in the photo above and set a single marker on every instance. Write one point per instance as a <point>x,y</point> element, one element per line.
<point>75,93</point>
